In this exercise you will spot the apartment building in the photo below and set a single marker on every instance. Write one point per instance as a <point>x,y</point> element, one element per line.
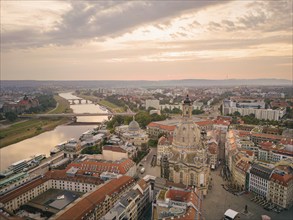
<point>154,129</point>
<point>240,176</point>
<point>213,151</point>
<point>13,181</point>
<point>281,186</point>
<point>96,204</point>
<point>163,148</point>
<point>71,179</point>
<point>259,180</point>
<point>271,153</point>
<point>177,203</point>
<point>133,204</point>
<point>256,108</point>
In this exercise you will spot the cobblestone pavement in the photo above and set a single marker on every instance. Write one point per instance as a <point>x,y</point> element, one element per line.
<point>219,200</point>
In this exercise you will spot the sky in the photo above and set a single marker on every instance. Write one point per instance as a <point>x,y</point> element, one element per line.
<point>145,40</point>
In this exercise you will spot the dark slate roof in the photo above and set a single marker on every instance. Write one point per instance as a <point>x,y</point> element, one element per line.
<point>128,197</point>
<point>261,171</point>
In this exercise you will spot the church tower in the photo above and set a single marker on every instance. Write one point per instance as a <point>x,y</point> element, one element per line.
<point>187,108</point>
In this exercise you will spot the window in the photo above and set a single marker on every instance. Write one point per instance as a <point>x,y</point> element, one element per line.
<point>191,179</point>
<point>181,177</point>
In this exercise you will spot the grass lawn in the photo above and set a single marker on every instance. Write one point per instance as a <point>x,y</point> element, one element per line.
<point>111,106</point>
<point>63,106</point>
<point>29,128</point>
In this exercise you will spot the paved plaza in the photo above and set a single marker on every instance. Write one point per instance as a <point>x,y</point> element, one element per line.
<point>219,200</point>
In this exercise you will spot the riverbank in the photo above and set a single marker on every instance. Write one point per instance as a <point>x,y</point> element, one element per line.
<point>30,128</point>
<point>109,105</point>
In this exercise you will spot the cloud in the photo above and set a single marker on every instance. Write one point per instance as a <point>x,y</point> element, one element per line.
<point>100,19</point>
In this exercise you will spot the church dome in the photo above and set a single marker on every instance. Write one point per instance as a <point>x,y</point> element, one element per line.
<point>133,126</point>
<point>187,135</point>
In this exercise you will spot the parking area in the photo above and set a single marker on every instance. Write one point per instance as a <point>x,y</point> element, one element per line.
<point>219,200</point>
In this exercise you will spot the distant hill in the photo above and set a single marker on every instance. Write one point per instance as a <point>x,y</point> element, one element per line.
<point>141,83</point>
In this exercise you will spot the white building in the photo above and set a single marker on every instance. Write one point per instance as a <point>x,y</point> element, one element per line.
<point>266,114</point>
<point>170,107</point>
<point>197,105</point>
<point>154,103</point>
<point>259,179</point>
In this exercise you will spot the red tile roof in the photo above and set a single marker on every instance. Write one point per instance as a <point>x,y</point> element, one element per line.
<point>222,122</point>
<point>266,144</point>
<point>122,166</point>
<point>243,165</point>
<point>282,179</point>
<point>161,126</point>
<point>249,152</point>
<point>61,175</point>
<point>27,187</point>
<point>204,123</point>
<point>269,136</point>
<point>185,196</point>
<point>89,202</point>
<point>279,104</point>
<point>164,140</point>
<point>286,141</point>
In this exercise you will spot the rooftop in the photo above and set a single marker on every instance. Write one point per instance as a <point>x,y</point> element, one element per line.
<point>89,202</point>
<point>119,166</point>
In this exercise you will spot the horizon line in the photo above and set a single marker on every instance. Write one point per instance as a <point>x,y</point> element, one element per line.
<point>144,79</point>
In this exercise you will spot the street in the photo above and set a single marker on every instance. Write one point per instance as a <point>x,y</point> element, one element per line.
<point>146,162</point>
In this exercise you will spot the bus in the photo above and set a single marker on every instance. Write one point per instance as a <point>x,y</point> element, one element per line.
<point>230,214</point>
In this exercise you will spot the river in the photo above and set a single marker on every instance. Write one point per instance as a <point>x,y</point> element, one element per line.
<point>44,142</point>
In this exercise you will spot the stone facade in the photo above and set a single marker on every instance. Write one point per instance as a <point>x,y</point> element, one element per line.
<point>188,161</point>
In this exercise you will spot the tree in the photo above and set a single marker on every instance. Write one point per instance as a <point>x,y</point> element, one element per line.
<point>10,116</point>
<point>152,143</point>
<point>92,150</point>
<point>144,147</point>
<point>197,112</point>
<point>176,111</point>
<point>166,110</point>
<point>237,114</point>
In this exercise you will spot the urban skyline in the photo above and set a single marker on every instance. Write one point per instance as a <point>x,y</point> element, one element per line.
<point>101,40</point>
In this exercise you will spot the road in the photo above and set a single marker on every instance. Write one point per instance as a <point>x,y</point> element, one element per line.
<point>146,162</point>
